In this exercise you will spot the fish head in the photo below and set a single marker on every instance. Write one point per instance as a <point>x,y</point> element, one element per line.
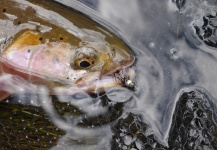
<point>100,57</point>
<point>88,66</point>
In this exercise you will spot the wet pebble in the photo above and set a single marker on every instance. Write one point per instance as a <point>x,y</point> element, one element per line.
<point>128,140</point>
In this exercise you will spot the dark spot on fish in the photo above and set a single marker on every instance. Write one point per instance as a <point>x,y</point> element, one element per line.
<point>67,78</point>
<point>74,78</point>
<point>48,52</point>
<point>29,50</point>
<point>109,55</point>
<point>84,64</point>
<point>92,62</point>
<point>4,10</point>
<point>56,59</point>
<point>40,38</point>
<point>61,38</point>
<point>113,52</point>
<point>19,22</point>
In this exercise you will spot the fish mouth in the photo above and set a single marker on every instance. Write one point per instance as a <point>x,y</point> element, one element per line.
<point>122,77</point>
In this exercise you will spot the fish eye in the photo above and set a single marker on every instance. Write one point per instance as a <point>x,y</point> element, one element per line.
<point>83,58</point>
<point>84,64</point>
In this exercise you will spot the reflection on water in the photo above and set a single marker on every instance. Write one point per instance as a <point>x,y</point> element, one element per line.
<point>175,47</point>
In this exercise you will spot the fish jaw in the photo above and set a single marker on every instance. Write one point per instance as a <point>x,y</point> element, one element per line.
<point>99,85</point>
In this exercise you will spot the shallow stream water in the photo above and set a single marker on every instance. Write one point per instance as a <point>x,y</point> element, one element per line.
<point>175,44</point>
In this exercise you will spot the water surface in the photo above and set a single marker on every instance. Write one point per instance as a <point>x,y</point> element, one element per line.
<point>175,45</point>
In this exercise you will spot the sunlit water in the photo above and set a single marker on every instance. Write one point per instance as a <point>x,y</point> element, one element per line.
<point>172,56</point>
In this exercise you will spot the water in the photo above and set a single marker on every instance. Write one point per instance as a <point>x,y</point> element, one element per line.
<point>175,45</point>
<point>170,56</point>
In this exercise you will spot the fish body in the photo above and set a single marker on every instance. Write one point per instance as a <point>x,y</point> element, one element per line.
<point>56,57</point>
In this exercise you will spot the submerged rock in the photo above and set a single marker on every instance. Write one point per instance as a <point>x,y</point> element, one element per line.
<point>206,29</point>
<point>192,127</point>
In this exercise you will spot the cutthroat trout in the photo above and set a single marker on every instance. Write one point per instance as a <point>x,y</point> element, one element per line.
<point>58,47</point>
